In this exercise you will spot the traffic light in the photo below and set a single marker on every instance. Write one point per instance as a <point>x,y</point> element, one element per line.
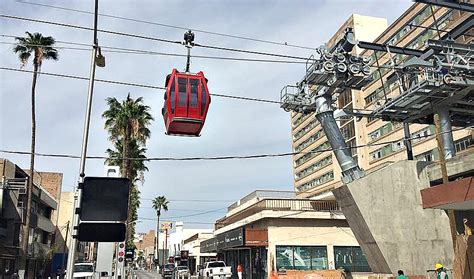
<point>103,209</point>
<point>121,252</point>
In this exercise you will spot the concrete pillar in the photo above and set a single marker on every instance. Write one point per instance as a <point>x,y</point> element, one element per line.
<point>331,263</point>
<point>446,133</point>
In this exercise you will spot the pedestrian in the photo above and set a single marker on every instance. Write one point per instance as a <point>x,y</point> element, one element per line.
<point>401,275</point>
<point>440,272</point>
<point>240,270</point>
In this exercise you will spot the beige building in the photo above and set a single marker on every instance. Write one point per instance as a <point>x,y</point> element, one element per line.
<point>270,231</point>
<point>318,173</point>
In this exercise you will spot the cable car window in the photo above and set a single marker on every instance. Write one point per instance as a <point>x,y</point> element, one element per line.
<point>172,95</point>
<point>182,100</point>
<point>193,98</point>
<point>203,98</point>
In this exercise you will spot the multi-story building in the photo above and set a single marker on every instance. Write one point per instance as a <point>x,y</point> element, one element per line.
<point>13,216</point>
<point>316,173</point>
<point>273,231</point>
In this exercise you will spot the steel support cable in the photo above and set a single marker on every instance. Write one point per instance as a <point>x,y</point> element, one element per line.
<point>148,37</point>
<point>111,49</point>
<point>170,26</point>
<point>216,158</point>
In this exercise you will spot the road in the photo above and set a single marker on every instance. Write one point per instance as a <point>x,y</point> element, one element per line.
<point>147,275</point>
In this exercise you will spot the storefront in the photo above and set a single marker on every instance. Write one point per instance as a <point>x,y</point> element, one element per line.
<point>244,246</point>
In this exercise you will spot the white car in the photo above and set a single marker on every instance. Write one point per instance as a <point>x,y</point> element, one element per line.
<point>181,272</point>
<point>84,270</point>
<point>216,269</point>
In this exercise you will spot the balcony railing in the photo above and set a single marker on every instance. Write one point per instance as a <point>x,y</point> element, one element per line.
<point>262,194</point>
<point>279,205</point>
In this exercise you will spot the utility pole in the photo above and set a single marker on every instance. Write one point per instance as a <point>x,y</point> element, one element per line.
<point>77,195</point>
<point>64,248</point>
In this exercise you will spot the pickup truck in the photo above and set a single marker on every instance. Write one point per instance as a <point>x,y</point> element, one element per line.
<point>215,269</point>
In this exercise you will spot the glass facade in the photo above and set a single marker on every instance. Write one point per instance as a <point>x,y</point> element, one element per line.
<point>351,259</point>
<point>301,258</point>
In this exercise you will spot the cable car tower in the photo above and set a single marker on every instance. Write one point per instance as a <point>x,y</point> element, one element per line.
<point>330,72</point>
<point>187,98</point>
<point>438,80</point>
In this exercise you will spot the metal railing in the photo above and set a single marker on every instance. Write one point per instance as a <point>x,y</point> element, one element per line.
<point>262,194</point>
<point>278,204</point>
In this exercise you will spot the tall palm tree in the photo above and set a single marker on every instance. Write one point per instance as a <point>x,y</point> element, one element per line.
<point>42,49</point>
<point>137,167</point>
<point>159,203</point>
<point>127,123</point>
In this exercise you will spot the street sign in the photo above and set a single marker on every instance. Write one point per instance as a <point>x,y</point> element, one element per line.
<point>166,225</point>
<point>103,209</point>
<point>129,254</point>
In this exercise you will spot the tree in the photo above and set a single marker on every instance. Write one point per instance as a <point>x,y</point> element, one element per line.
<point>42,49</point>
<point>127,121</point>
<point>137,167</point>
<point>158,204</point>
<point>127,124</point>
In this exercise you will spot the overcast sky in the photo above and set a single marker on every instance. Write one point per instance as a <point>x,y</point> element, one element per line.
<point>233,127</point>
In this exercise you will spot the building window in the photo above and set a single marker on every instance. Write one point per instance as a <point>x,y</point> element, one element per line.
<point>317,181</point>
<point>464,143</point>
<point>301,258</point>
<point>311,154</point>
<point>314,167</point>
<point>429,156</point>
<point>351,259</point>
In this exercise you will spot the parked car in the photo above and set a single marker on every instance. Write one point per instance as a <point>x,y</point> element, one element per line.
<point>215,269</point>
<point>84,270</point>
<point>167,270</point>
<point>181,272</point>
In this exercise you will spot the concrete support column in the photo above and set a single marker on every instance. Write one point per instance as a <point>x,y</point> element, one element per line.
<point>324,114</point>
<point>331,263</point>
<point>446,133</point>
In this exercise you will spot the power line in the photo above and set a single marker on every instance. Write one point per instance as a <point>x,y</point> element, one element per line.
<point>135,85</point>
<point>122,50</point>
<point>191,222</point>
<point>217,158</point>
<point>190,200</point>
<point>171,26</point>
<point>148,37</point>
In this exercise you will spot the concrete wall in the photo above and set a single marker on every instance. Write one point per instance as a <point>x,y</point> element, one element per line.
<point>385,213</point>
<point>313,232</point>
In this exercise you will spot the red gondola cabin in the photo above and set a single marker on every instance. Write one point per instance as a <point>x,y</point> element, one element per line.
<point>186,103</point>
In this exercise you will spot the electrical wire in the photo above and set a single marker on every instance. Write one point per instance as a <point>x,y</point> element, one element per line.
<point>170,26</point>
<point>217,158</point>
<point>121,50</point>
<point>135,84</point>
<point>148,37</point>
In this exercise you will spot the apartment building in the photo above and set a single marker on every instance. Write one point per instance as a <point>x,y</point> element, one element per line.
<point>12,218</point>
<point>318,173</point>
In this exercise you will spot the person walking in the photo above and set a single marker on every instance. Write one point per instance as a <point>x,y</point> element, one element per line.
<point>240,270</point>
<point>401,275</point>
<point>440,272</point>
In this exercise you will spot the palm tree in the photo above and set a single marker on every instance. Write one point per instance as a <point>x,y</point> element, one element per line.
<point>137,167</point>
<point>158,204</point>
<point>42,49</point>
<point>127,123</point>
